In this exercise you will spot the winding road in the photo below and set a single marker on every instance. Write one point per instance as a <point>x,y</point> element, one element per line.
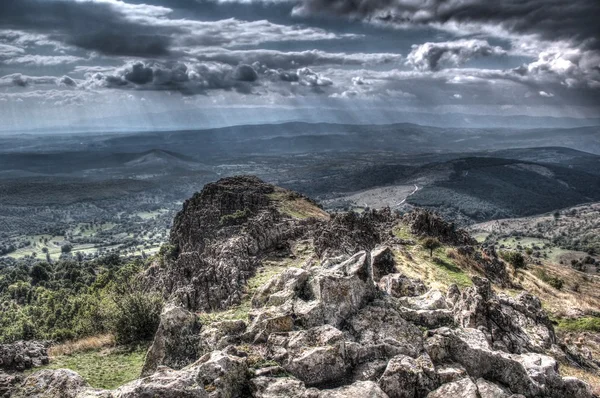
<point>412,193</point>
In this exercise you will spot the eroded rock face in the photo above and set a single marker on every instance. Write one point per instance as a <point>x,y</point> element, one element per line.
<point>512,325</point>
<point>347,233</point>
<point>23,355</point>
<point>216,241</point>
<point>426,223</point>
<point>176,341</point>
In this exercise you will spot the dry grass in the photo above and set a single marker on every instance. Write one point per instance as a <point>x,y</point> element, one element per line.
<point>297,207</point>
<point>579,296</point>
<point>82,345</point>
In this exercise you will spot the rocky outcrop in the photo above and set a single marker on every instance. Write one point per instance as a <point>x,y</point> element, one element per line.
<point>513,325</point>
<point>426,223</point>
<point>61,383</point>
<point>347,233</point>
<point>217,241</point>
<point>23,355</point>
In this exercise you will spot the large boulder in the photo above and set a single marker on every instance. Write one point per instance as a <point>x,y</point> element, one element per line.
<point>60,383</point>
<point>398,285</point>
<point>315,356</point>
<point>176,341</point>
<point>406,377</point>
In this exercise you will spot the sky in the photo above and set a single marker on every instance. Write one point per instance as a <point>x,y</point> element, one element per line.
<point>180,63</point>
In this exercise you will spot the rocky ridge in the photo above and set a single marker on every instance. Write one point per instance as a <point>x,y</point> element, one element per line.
<point>348,322</point>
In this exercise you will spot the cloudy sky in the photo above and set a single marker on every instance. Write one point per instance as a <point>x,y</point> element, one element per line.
<point>123,63</point>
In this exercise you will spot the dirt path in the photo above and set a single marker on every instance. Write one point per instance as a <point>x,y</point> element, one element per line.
<point>412,193</point>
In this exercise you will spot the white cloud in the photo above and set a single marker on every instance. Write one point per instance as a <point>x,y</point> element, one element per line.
<point>435,56</point>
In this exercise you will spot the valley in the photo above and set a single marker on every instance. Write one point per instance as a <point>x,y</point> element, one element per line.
<point>86,196</point>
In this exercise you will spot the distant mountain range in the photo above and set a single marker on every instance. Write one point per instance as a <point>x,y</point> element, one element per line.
<point>198,119</point>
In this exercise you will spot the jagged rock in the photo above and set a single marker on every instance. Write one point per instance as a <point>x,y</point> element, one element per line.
<point>224,374</point>
<point>487,389</point>
<point>344,289</point>
<point>529,374</point>
<point>8,382</point>
<point>176,341</point>
<point>276,387</point>
<point>165,383</point>
<point>406,377</point>
<point>450,373</point>
<point>357,389</point>
<point>315,356</point>
<point>60,383</point>
<point>432,300</point>
<point>347,233</point>
<point>383,333</point>
<point>216,242</point>
<point>398,285</point>
<point>512,325</point>
<point>23,355</point>
<point>464,388</point>
<point>219,335</point>
<point>382,262</point>
<point>280,288</point>
<point>431,319</point>
<point>369,370</point>
<point>215,375</point>
<point>425,223</point>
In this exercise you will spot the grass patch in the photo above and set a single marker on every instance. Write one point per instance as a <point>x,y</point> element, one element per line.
<point>106,368</point>
<point>452,271</point>
<point>295,206</point>
<point>402,231</point>
<point>584,324</point>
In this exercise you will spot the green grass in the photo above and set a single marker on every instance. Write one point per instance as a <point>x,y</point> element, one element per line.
<point>107,369</point>
<point>584,324</point>
<point>454,273</point>
<point>403,232</point>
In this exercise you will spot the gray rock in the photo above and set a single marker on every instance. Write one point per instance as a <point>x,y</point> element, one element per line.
<point>432,300</point>
<point>358,389</point>
<point>488,389</point>
<point>382,262</point>
<point>315,356</point>
<point>176,341</point>
<point>398,285</point>
<point>406,377</point>
<point>277,387</point>
<point>464,388</point>
<point>512,325</point>
<point>23,355</point>
<point>60,383</point>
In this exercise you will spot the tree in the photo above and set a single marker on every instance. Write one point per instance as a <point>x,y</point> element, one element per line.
<point>66,248</point>
<point>431,244</point>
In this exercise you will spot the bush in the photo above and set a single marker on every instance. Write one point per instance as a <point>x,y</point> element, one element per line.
<point>515,259</point>
<point>553,281</point>
<point>137,317</point>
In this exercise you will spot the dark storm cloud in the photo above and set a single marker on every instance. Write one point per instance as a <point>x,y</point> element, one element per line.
<point>575,20</point>
<point>98,26</point>
<point>188,79</point>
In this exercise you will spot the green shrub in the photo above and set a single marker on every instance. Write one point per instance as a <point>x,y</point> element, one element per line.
<point>137,317</point>
<point>236,217</point>
<point>553,281</point>
<point>515,259</point>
